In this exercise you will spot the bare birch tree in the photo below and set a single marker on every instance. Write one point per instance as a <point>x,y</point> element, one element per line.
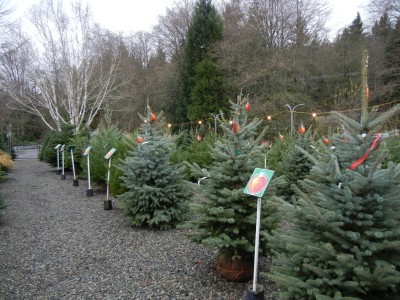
<point>66,80</point>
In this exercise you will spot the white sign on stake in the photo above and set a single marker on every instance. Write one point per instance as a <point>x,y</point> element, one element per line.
<point>62,152</point>
<point>71,151</point>
<point>257,186</point>
<point>87,151</point>
<point>108,156</point>
<point>58,158</point>
<point>89,192</point>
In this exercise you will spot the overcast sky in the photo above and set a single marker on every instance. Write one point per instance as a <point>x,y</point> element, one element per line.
<point>136,15</point>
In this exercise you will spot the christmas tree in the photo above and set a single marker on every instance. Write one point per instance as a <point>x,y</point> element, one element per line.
<point>156,194</point>
<point>226,221</point>
<point>295,165</point>
<point>343,237</point>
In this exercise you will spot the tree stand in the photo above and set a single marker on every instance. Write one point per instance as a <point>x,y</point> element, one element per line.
<point>75,182</point>
<point>258,295</point>
<point>63,177</point>
<point>107,205</point>
<point>89,193</point>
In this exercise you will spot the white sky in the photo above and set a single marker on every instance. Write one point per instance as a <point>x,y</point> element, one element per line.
<point>135,15</point>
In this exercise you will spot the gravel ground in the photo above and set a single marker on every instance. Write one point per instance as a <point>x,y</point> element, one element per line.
<point>56,243</point>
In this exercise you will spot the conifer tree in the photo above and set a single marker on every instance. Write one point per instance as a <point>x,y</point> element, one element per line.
<point>343,237</point>
<point>156,194</point>
<point>205,30</point>
<point>226,221</point>
<point>390,76</point>
<point>295,164</point>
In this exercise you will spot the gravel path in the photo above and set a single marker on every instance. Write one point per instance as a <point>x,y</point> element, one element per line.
<point>56,243</point>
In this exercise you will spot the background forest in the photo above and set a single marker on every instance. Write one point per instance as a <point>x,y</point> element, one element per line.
<point>67,70</point>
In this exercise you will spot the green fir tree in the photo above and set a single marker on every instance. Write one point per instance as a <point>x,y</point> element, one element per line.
<point>295,165</point>
<point>343,234</point>
<point>204,31</point>
<point>156,193</point>
<point>226,221</point>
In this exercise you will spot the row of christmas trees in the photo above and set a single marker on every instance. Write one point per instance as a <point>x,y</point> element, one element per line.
<point>330,221</point>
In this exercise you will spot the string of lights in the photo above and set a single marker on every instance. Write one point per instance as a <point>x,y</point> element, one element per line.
<point>312,114</point>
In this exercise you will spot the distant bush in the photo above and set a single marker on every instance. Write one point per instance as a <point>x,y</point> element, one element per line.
<point>193,152</point>
<point>6,162</point>
<point>81,141</point>
<point>4,145</point>
<point>48,154</point>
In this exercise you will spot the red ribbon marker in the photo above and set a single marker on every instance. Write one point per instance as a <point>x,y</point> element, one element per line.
<point>359,161</point>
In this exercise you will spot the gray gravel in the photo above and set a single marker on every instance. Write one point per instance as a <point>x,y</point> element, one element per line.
<point>56,243</point>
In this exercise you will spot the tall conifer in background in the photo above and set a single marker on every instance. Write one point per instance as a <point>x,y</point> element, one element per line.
<point>343,239</point>
<point>205,30</point>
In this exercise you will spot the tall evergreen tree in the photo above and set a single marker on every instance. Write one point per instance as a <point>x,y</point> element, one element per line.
<point>208,91</point>
<point>204,31</point>
<point>349,46</point>
<point>391,73</point>
<point>156,195</point>
<point>343,237</point>
<point>378,41</point>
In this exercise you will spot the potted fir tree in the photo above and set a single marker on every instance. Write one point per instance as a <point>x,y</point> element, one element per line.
<point>156,195</point>
<point>226,220</point>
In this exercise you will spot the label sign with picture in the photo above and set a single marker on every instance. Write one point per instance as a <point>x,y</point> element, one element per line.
<point>87,151</point>
<point>258,182</point>
<point>110,153</point>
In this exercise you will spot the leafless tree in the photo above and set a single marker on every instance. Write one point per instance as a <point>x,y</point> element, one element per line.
<point>286,22</point>
<point>377,8</point>
<point>172,28</point>
<point>67,81</point>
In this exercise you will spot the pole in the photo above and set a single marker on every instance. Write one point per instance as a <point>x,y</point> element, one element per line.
<point>108,177</point>
<point>58,161</point>
<point>89,192</point>
<point>73,165</point>
<point>88,170</point>
<point>292,116</point>
<point>75,182</point>
<point>215,121</point>
<point>108,203</point>
<point>62,155</point>
<point>257,244</point>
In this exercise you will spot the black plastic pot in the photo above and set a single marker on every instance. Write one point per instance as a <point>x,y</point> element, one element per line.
<point>76,182</point>
<point>63,177</point>
<point>258,295</point>
<point>107,205</point>
<point>89,193</point>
